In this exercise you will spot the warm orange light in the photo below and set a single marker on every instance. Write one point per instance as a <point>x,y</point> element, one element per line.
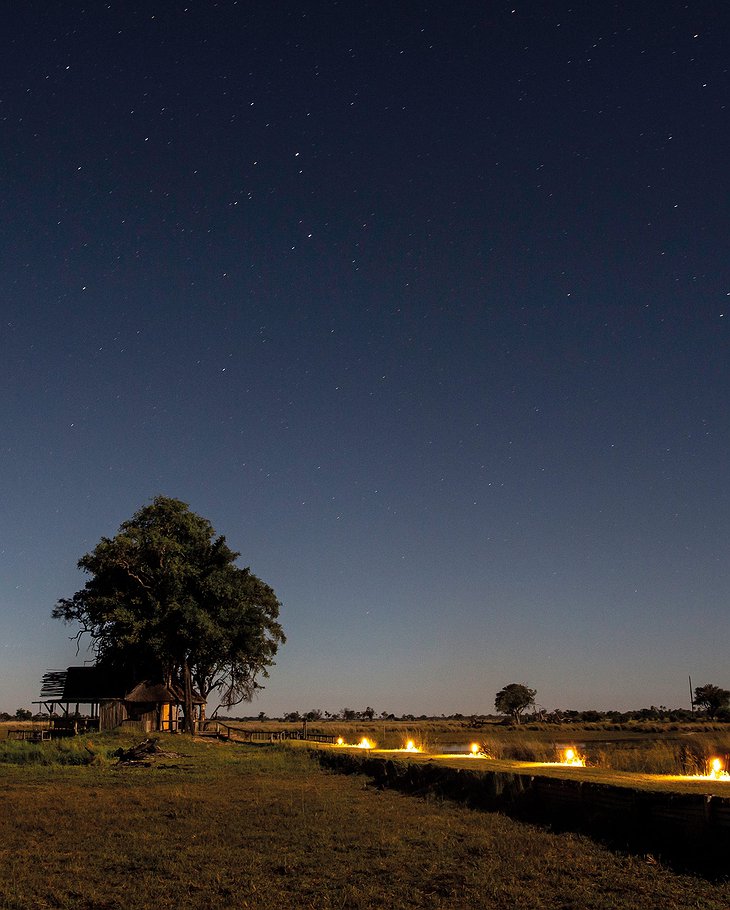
<point>410,746</point>
<point>340,741</point>
<point>570,757</point>
<point>365,744</point>
<point>715,770</point>
<point>474,748</point>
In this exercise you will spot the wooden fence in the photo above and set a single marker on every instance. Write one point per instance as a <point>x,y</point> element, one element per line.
<point>35,735</point>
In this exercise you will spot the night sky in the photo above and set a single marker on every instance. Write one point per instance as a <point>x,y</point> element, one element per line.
<point>426,307</point>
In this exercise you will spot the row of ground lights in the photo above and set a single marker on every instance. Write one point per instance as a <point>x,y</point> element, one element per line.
<point>568,757</point>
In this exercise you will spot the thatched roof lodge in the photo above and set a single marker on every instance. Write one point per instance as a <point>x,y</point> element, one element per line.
<point>111,701</point>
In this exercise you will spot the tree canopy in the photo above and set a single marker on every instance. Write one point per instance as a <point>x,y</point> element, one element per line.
<point>514,699</point>
<point>165,599</point>
<point>712,698</point>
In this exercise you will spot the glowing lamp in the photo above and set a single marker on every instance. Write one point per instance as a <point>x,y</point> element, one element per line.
<point>571,757</point>
<point>340,741</point>
<point>364,743</point>
<point>474,748</point>
<point>410,746</point>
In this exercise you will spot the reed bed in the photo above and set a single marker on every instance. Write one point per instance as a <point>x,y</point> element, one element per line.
<point>688,756</point>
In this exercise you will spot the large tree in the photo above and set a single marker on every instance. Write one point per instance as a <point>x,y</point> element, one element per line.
<point>514,699</point>
<point>712,698</point>
<point>166,598</point>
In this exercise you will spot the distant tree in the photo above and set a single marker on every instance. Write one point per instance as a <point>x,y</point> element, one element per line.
<point>23,714</point>
<point>314,714</point>
<point>712,698</point>
<point>165,599</point>
<point>593,717</point>
<point>262,716</point>
<point>348,714</point>
<point>650,713</point>
<point>293,717</point>
<point>514,699</point>
<point>368,713</point>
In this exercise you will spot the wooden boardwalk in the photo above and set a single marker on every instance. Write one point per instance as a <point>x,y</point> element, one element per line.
<point>235,734</point>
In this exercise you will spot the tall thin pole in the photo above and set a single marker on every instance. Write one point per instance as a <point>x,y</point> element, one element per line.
<point>691,696</point>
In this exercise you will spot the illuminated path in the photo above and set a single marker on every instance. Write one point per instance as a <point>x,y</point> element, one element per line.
<point>665,783</point>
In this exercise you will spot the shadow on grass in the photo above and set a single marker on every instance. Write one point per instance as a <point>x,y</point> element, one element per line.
<point>688,832</point>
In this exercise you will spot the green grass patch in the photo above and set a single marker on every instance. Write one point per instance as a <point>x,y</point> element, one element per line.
<point>70,751</point>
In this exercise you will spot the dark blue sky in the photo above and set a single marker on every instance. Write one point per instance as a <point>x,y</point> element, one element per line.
<point>425,307</point>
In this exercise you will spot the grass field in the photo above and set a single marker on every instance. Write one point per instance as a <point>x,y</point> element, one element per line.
<point>264,826</point>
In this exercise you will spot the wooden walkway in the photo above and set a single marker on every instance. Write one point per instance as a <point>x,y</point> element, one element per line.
<point>235,734</point>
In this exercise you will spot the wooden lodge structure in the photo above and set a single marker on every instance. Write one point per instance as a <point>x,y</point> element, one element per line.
<point>112,703</point>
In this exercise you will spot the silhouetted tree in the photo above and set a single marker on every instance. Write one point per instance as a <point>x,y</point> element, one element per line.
<point>514,699</point>
<point>165,598</point>
<point>712,698</point>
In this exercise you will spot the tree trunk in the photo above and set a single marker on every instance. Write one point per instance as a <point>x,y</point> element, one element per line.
<point>200,681</point>
<point>188,685</point>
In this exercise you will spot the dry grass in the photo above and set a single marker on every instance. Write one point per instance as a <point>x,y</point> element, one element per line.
<point>648,748</point>
<point>689,754</point>
<point>265,827</point>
